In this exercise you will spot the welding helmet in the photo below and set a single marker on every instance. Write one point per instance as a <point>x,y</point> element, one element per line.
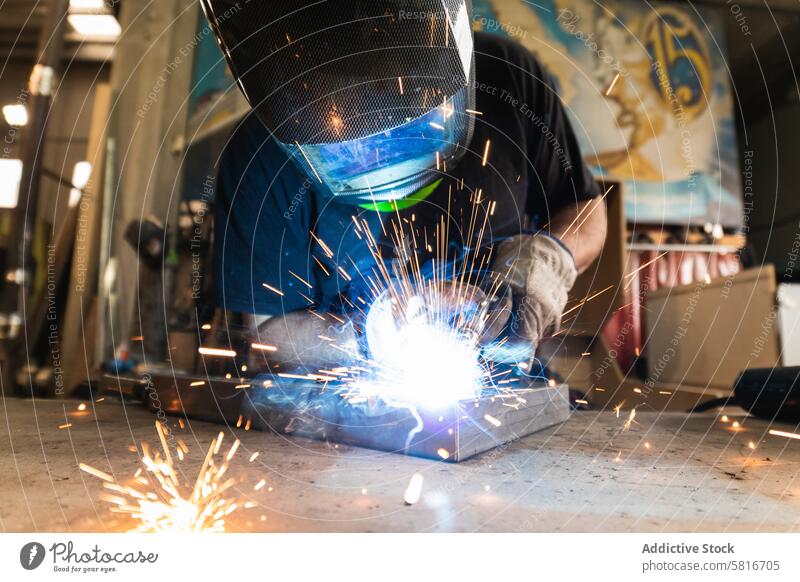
<point>371,98</point>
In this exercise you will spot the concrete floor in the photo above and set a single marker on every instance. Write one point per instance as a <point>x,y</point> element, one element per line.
<point>669,472</point>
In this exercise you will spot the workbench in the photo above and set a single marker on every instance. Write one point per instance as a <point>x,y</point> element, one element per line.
<point>667,472</point>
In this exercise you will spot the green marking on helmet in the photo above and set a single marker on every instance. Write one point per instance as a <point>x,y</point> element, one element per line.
<point>403,203</point>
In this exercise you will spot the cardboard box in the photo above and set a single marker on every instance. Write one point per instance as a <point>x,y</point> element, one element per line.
<point>705,334</point>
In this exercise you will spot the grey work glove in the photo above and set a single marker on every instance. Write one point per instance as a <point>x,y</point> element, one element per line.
<point>296,336</point>
<point>540,272</point>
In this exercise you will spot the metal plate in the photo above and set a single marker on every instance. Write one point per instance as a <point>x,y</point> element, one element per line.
<point>308,409</point>
<point>453,434</point>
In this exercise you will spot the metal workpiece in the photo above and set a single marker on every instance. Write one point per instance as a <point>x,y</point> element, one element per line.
<point>453,434</point>
<point>308,409</point>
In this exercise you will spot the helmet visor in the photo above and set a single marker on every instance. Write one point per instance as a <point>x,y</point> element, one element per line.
<point>394,163</point>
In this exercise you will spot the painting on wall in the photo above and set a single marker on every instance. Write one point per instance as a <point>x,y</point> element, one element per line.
<point>648,92</point>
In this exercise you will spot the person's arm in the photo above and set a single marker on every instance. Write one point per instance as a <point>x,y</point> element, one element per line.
<point>300,340</point>
<point>582,229</point>
<point>541,267</point>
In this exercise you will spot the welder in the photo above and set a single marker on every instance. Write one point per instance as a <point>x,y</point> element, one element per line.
<point>379,111</point>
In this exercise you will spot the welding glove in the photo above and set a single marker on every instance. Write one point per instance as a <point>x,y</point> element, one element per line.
<point>540,271</point>
<point>300,339</point>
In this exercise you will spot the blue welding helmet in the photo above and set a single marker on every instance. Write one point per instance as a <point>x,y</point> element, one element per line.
<point>371,98</point>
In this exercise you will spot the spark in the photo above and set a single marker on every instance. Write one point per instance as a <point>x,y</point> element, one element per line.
<point>310,165</point>
<point>205,326</point>
<point>614,82</point>
<point>724,418</point>
<point>263,347</point>
<point>735,424</point>
<point>81,406</point>
<point>363,492</point>
<point>788,435</point>
<point>443,453</point>
<point>197,383</point>
<point>581,401</point>
<point>474,112</point>
<point>486,153</point>
<point>299,278</point>
<point>344,273</point>
<point>65,425</point>
<point>647,264</point>
<point>584,209</point>
<point>436,125</point>
<point>400,82</point>
<point>325,248</point>
<point>586,300</point>
<point>414,489</point>
<point>295,376</point>
<point>260,485</point>
<point>271,288</point>
<point>217,352</point>
<point>253,457</point>
<point>96,472</point>
<point>627,425</point>
<point>492,420</point>
<point>157,499</point>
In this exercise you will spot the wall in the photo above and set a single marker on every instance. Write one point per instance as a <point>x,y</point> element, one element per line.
<point>775,215</point>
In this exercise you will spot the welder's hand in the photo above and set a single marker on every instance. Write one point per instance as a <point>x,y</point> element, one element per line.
<point>540,272</point>
<point>304,341</point>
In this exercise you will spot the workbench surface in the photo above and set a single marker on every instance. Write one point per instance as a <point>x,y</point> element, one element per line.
<point>668,472</point>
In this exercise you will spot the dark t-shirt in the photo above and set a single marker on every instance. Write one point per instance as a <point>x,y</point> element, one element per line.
<point>267,209</point>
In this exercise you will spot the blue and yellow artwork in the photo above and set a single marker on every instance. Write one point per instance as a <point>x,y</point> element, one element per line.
<point>647,89</point>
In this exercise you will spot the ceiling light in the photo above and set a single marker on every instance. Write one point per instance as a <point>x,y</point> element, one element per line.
<point>16,115</point>
<point>87,4</point>
<point>80,177</point>
<point>95,24</point>
<point>10,177</point>
<point>80,174</point>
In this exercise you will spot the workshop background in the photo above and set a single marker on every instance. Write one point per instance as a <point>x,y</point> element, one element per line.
<point>107,183</point>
